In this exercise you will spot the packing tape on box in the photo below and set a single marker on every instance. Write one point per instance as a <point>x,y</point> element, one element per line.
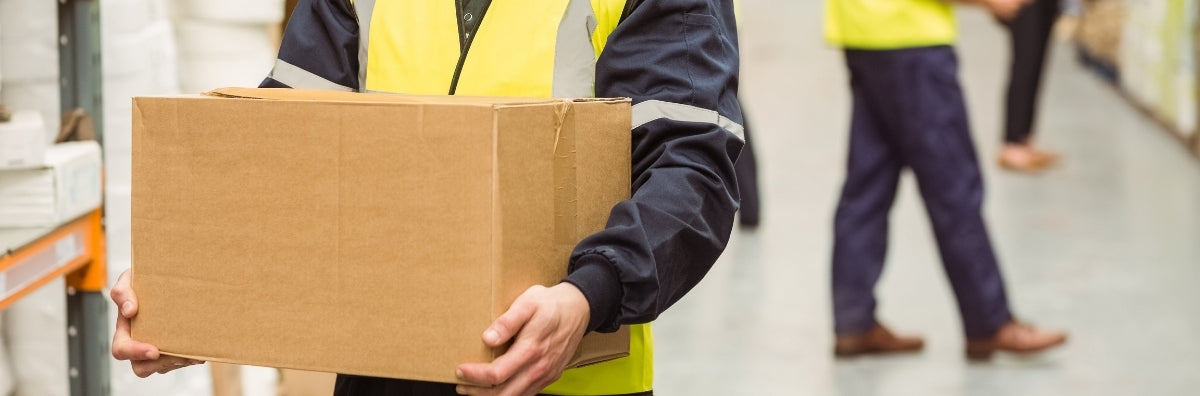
<point>205,39</point>
<point>232,11</point>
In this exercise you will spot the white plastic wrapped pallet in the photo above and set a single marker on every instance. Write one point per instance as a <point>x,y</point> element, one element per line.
<point>245,12</point>
<point>35,331</point>
<point>29,53</point>
<point>220,54</point>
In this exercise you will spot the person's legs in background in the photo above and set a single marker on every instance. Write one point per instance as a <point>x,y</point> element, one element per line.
<point>1030,34</point>
<point>937,142</point>
<point>861,223</point>
<point>909,111</point>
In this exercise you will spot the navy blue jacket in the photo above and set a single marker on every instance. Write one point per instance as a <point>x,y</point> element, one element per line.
<point>678,61</point>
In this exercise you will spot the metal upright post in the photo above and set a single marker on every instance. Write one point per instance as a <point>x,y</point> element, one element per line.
<point>80,87</point>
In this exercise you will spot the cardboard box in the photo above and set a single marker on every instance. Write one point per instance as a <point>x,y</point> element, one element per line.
<point>364,234</point>
<point>23,141</point>
<point>66,187</point>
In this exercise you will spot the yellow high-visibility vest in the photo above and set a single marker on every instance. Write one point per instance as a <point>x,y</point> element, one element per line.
<point>528,48</point>
<point>889,24</point>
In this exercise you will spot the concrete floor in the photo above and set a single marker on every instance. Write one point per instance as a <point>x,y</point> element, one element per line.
<point>1106,246</point>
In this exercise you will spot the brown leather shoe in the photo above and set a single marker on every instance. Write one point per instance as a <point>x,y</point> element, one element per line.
<point>876,340</point>
<point>1024,158</point>
<point>1015,337</point>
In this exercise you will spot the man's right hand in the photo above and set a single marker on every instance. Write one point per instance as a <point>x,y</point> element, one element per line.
<point>144,357</point>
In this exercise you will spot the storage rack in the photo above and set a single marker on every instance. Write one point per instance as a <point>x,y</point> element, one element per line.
<point>32,257</point>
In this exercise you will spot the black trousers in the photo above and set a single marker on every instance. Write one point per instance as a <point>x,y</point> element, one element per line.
<point>1030,32</point>
<point>909,113</point>
<point>355,385</point>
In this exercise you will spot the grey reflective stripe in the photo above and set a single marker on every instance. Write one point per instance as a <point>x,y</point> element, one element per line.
<point>651,110</point>
<point>574,57</point>
<point>363,9</point>
<point>296,77</point>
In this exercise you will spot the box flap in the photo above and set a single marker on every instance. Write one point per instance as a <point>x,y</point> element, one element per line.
<point>337,96</point>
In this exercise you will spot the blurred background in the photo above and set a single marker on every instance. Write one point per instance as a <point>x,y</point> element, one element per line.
<point>1106,245</point>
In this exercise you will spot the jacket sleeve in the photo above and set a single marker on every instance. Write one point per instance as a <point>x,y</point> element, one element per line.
<point>319,49</point>
<point>678,61</point>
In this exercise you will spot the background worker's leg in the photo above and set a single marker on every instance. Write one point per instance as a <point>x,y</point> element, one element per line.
<point>861,222</point>
<point>942,156</point>
<point>1029,32</point>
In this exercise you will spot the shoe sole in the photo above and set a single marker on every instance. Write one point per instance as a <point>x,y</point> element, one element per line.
<point>986,353</point>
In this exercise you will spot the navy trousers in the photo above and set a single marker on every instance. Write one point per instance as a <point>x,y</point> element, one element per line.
<point>909,113</point>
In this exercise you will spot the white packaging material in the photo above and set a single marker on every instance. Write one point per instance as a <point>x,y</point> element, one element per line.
<point>6,372</point>
<point>129,16</point>
<point>35,329</point>
<point>117,139</point>
<point>67,187</point>
<point>259,380</point>
<point>139,52</point>
<point>202,75</point>
<point>117,238</point>
<point>22,141</point>
<point>206,39</point>
<point>117,168</point>
<point>232,11</point>
<point>30,46</point>
<point>2,76</point>
<point>40,95</point>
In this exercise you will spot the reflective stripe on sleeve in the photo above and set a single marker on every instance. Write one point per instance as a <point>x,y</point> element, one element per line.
<point>651,110</point>
<point>296,77</point>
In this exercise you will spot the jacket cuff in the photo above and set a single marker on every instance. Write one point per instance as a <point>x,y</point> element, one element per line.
<point>601,286</point>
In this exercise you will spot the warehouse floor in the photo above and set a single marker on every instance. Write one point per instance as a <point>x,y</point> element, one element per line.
<point>1106,246</point>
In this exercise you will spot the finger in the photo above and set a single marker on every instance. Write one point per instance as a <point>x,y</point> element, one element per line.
<point>503,368</point>
<point>509,323</point>
<point>123,296</point>
<point>125,348</point>
<point>162,365</point>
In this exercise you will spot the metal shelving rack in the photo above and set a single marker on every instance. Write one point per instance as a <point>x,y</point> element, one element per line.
<point>80,77</point>
<point>32,257</point>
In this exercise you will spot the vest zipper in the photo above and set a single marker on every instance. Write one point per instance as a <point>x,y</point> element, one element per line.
<point>466,35</point>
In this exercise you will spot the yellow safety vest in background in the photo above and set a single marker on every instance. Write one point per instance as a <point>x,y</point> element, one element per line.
<point>889,24</point>
<point>528,48</point>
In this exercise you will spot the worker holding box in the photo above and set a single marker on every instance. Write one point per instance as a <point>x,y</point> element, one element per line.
<point>677,60</point>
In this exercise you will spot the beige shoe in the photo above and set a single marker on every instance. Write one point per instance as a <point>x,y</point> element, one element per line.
<point>1015,337</point>
<point>1025,158</point>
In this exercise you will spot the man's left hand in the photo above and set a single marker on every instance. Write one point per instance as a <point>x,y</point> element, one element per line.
<point>545,326</point>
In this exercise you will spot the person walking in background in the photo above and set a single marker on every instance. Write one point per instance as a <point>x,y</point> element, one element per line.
<point>909,112</point>
<point>1030,31</point>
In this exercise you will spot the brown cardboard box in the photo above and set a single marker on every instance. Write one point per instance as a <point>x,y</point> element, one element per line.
<point>364,234</point>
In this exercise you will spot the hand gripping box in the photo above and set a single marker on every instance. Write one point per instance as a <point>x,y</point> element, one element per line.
<point>366,234</point>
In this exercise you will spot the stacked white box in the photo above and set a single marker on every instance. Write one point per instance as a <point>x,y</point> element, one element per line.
<point>22,145</point>
<point>67,187</point>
